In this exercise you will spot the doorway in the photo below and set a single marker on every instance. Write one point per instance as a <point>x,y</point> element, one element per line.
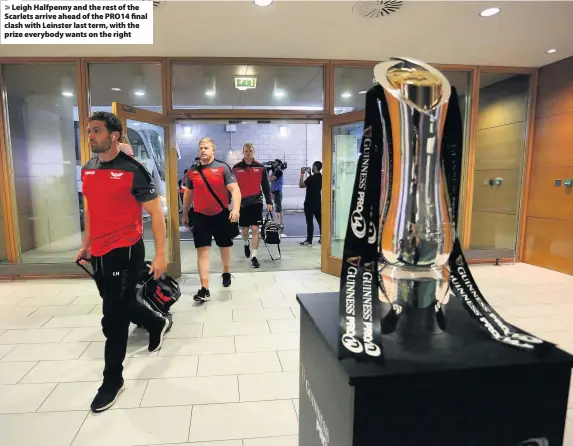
<point>341,146</point>
<point>150,136</point>
<point>297,144</point>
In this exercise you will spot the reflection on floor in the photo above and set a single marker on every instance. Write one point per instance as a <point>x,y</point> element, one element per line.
<point>227,373</point>
<point>294,222</point>
<point>293,255</point>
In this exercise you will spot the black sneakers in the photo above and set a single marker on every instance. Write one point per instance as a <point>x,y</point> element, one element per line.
<point>106,396</point>
<point>248,249</point>
<point>255,263</point>
<point>157,335</point>
<point>306,243</point>
<point>226,279</point>
<point>203,295</point>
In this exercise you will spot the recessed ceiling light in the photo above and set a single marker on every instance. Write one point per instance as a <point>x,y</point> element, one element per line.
<point>67,94</point>
<point>115,89</point>
<point>210,93</point>
<point>139,93</point>
<point>346,94</point>
<point>263,2</point>
<point>489,12</point>
<point>552,50</point>
<point>279,94</point>
<point>362,92</point>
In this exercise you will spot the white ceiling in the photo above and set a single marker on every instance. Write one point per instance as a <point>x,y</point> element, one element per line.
<point>449,32</point>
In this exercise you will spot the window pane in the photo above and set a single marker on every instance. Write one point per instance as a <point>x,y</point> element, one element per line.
<point>44,151</point>
<point>499,159</point>
<point>350,87</point>
<point>150,152</point>
<point>352,83</point>
<point>256,87</point>
<point>345,149</point>
<point>137,84</point>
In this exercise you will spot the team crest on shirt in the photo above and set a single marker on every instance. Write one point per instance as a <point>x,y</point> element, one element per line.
<point>116,175</point>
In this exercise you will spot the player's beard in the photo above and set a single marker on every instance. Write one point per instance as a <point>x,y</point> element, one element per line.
<point>105,146</point>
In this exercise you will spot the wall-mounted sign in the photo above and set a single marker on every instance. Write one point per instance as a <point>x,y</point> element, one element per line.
<point>245,82</point>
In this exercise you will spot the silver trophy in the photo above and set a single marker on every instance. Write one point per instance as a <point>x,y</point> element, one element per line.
<point>417,232</point>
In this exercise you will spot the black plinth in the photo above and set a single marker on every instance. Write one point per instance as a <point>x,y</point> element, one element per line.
<point>460,389</point>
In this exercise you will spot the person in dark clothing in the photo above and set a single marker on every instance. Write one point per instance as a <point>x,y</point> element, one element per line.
<point>252,178</point>
<point>211,215</point>
<point>277,183</point>
<point>117,188</point>
<point>312,200</point>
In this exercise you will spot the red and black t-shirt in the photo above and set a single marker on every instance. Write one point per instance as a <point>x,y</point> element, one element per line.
<point>252,178</point>
<point>115,191</point>
<point>219,176</point>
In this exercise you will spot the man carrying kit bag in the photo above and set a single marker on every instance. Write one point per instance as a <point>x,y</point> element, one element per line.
<point>206,210</point>
<point>117,188</point>
<point>254,183</point>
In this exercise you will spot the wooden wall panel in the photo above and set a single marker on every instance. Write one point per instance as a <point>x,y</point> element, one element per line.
<point>549,213</point>
<point>493,231</point>
<point>3,250</point>
<point>549,244</point>
<point>502,199</point>
<point>500,147</point>
<point>499,153</point>
<point>503,103</point>
<point>555,91</point>
<point>553,141</point>
<point>546,200</point>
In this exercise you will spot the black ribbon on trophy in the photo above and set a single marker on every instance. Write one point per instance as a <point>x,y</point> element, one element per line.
<point>360,315</point>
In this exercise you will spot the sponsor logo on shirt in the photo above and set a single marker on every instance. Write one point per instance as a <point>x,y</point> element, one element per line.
<point>116,175</point>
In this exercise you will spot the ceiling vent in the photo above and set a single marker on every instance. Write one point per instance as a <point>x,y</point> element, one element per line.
<point>377,9</point>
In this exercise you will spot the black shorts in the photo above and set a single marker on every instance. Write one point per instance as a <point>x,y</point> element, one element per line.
<point>278,200</point>
<point>251,215</point>
<point>207,227</point>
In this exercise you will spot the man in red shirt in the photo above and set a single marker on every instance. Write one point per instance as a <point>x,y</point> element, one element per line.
<point>117,188</point>
<point>211,213</point>
<point>252,178</point>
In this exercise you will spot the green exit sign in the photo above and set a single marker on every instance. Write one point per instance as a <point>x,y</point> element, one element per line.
<point>245,82</point>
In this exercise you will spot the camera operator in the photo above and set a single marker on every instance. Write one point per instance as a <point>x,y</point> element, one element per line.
<point>277,181</point>
<point>312,200</point>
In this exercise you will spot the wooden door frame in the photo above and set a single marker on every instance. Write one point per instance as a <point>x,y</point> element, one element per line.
<point>330,264</point>
<point>125,112</point>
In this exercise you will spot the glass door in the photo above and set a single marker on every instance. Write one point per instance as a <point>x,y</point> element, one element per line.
<point>151,137</point>
<point>341,147</point>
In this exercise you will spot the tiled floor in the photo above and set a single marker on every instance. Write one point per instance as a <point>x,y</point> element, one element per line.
<point>227,374</point>
<point>293,256</point>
